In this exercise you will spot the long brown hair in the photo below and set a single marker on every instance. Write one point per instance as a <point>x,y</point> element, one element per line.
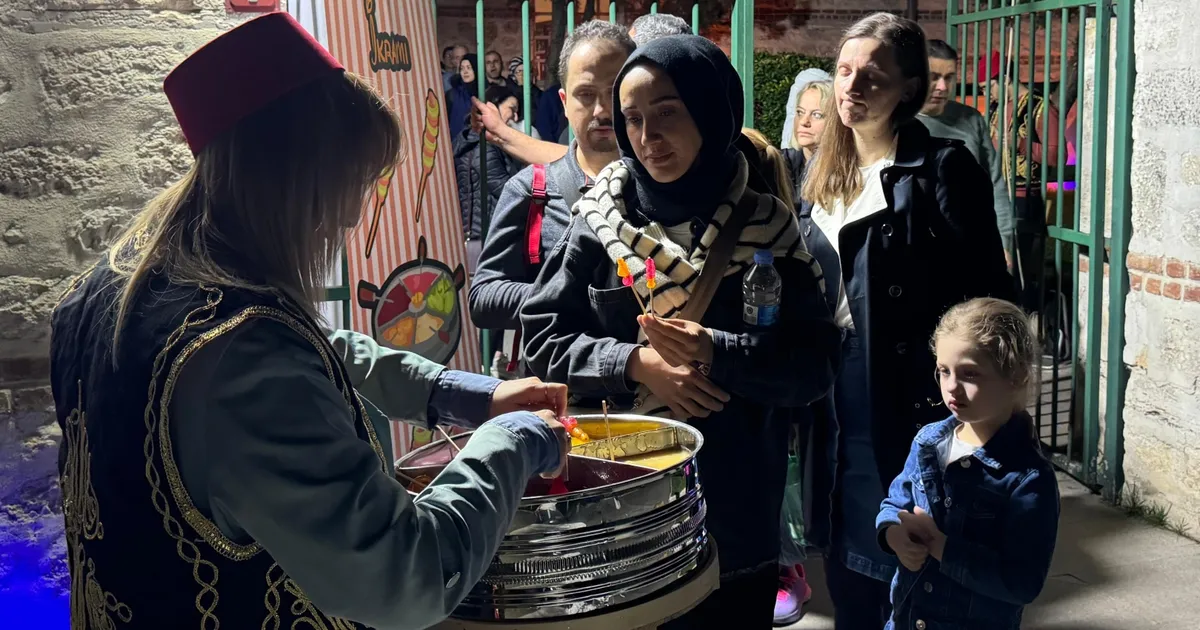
<point>773,159</point>
<point>834,173</point>
<point>266,206</point>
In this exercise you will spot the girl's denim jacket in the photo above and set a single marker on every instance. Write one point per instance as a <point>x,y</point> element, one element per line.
<point>999,511</point>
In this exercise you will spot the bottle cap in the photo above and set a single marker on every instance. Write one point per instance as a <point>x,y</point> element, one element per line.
<point>763,257</point>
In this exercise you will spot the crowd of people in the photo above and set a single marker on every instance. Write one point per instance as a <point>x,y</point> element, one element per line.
<point>902,209</point>
<point>891,358</point>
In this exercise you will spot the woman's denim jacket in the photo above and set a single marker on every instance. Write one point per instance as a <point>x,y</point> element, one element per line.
<point>999,511</point>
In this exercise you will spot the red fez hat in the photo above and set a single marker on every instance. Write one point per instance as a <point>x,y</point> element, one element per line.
<point>241,72</point>
<point>983,68</point>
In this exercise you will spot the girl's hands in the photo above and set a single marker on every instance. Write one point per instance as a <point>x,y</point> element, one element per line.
<point>920,524</point>
<point>679,342</point>
<point>909,549</point>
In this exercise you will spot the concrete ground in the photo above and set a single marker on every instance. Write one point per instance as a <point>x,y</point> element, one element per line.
<point>1110,572</point>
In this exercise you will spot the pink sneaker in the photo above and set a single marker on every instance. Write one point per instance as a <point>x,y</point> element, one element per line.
<point>794,592</point>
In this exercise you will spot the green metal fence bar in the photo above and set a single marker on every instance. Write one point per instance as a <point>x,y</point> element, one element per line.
<point>485,337</point>
<point>1122,206</point>
<point>974,57</point>
<point>570,27</point>
<point>612,10</point>
<point>1010,79</point>
<point>1081,51</point>
<point>987,88</point>
<point>696,18</point>
<point>1091,403</point>
<point>653,8</point>
<point>961,88</point>
<point>527,83</point>
<point>1018,8</point>
<point>1058,212</point>
<point>735,38</point>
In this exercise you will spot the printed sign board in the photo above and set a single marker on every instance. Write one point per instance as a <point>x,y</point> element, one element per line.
<point>405,261</point>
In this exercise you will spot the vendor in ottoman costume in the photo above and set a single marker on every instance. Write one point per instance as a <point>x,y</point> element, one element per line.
<point>219,467</point>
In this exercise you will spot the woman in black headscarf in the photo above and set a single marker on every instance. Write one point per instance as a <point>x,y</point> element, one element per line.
<point>680,184</point>
<point>463,86</point>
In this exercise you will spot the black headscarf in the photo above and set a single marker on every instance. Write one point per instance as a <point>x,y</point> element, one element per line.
<point>473,86</point>
<point>712,92</point>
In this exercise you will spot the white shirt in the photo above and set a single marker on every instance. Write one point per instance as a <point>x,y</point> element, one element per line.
<point>953,450</point>
<point>871,201</point>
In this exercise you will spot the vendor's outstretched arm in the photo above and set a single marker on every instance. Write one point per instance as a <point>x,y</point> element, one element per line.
<point>519,145</point>
<point>268,448</point>
<point>409,387</point>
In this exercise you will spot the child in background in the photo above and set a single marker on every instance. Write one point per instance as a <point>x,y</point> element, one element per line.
<point>973,517</point>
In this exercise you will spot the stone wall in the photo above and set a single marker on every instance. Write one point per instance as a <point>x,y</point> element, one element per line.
<point>86,138</point>
<point>1162,350</point>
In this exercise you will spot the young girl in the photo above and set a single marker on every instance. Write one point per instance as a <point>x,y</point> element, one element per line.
<point>974,516</point>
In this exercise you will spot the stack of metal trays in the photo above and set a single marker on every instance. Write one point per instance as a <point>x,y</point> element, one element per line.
<point>631,525</point>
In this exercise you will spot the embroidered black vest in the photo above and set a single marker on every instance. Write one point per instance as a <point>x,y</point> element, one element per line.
<point>140,554</point>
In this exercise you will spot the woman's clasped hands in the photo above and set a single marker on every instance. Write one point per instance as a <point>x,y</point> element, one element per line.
<point>666,366</point>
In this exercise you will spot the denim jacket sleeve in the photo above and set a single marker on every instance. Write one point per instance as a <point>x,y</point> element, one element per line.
<point>1014,570</point>
<point>501,282</point>
<point>899,499</point>
<point>558,322</point>
<point>792,363</point>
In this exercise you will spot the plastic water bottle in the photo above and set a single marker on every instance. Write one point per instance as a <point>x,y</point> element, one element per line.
<point>761,290</point>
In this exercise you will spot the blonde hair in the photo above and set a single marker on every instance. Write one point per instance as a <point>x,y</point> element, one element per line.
<point>1003,331</point>
<point>825,90</point>
<point>834,175</point>
<point>771,157</point>
<point>267,205</point>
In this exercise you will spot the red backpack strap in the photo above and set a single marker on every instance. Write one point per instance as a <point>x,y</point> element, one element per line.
<point>537,210</point>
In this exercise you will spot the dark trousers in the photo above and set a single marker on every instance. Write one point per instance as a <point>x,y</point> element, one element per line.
<point>1030,214</point>
<point>746,602</point>
<point>859,602</point>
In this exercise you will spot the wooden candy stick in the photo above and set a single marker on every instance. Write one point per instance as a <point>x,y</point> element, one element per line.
<point>608,431</point>
<point>627,280</point>
<point>449,439</point>
<point>651,282</point>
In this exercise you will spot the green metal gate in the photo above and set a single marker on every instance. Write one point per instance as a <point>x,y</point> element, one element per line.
<point>742,54</point>
<point>1073,319</point>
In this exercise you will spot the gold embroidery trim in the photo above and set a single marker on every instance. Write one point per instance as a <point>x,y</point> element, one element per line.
<point>203,572</point>
<point>90,603</point>
<point>202,524</point>
<point>307,615</point>
<point>75,284</point>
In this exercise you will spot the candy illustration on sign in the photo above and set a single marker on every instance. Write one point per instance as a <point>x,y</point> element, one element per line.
<point>417,308</point>
<point>429,143</point>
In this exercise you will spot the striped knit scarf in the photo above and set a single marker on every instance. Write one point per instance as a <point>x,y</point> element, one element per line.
<point>772,227</point>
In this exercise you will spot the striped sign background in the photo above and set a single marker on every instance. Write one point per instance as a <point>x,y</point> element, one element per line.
<point>342,26</point>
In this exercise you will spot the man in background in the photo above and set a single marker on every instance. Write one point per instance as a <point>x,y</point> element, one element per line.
<point>592,56</point>
<point>947,118</point>
<point>451,58</point>
<point>493,68</point>
<point>652,26</point>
